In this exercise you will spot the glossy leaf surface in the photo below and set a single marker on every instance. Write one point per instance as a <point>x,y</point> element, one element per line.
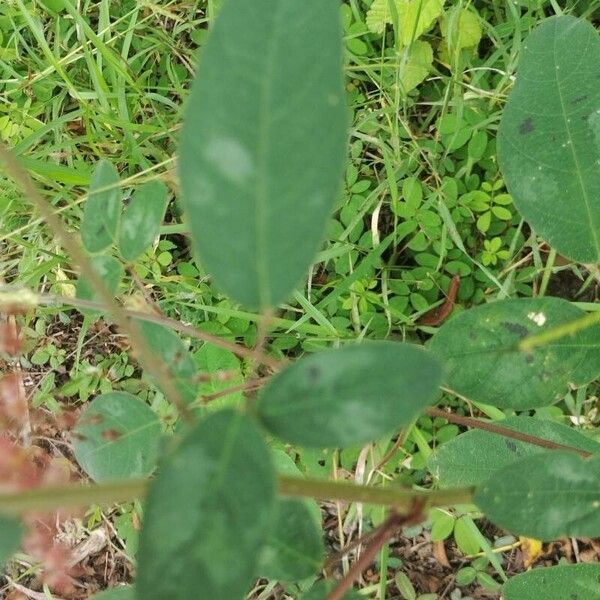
<point>262,144</point>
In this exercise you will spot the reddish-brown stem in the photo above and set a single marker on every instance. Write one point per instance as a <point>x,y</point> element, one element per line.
<point>243,387</point>
<point>241,351</point>
<point>380,537</point>
<point>437,315</point>
<point>504,431</point>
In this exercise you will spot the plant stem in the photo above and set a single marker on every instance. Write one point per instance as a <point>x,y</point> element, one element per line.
<point>69,242</point>
<point>48,498</point>
<point>383,533</point>
<point>401,499</point>
<point>547,272</point>
<point>52,299</point>
<point>504,431</point>
<point>556,333</point>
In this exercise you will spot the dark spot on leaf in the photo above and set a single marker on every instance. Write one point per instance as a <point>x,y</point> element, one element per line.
<point>529,358</point>
<point>526,126</point>
<point>574,596</point>
<point>78,436</point>
<point>516,328</point>
<point>314,372</point>
<point>94,420</point>
<point>579,99</point>
<point>100,229</point>
<point>510,445</point>
<point>321,462</point>
<point>111,435</point>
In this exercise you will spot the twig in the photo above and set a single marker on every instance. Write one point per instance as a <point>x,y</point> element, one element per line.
<point>74,249</point>
<point>247,386</point>
<point>385,531</point>
<point>504,431</point>
<point>241,351</point>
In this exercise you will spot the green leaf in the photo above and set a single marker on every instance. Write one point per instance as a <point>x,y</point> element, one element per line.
<point>102,208</point>
<point>546,496</point>
<point>464,536</point>
<point>142,218</point>
<point>442,524</point>
<point>472,457</point>
<point>211,360</point>
<point>110,271</point>
<point>11,532</point>
<point>119,593</point>
<point>207,513</point>
<point>564,582</point>
<point>415,17</point>
<point>263,144</point>
<point>322,589</point>
<point>479,349</point>
<point>169,348</point>
<point>350,395</point>
<point>418,65</point>
<point>461,29</point>
<point>117,437</point>
<point>294,546</point>
<point>549,137</point>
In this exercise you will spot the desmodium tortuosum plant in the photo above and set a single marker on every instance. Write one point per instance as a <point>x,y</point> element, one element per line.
<point>261,157</point>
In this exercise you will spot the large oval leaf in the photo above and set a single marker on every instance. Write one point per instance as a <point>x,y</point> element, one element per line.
<point>348,396</point>
<point>472,457</point>
<point>546,496</point>
<point>207,513</point>
<point>294,547</point>
<point>564,582</point>
<point>102,208</point>
<point>479,349</point>
<point>117,437</point>
<point>262,144</point>
<point>549,136</point>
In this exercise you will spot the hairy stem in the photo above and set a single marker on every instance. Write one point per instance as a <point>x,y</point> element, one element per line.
<point>77,254</point>
<point>190,330</point>
<point>48,498</point>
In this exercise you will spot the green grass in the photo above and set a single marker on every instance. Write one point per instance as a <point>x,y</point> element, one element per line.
<point>421,202</point>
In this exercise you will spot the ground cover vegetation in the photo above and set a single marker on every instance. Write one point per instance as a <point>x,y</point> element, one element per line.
<point>299,299</point>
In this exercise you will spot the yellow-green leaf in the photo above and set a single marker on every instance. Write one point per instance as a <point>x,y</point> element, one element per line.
<point>461,29</point>
<point>415,16</point>
<point>417,66</point>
